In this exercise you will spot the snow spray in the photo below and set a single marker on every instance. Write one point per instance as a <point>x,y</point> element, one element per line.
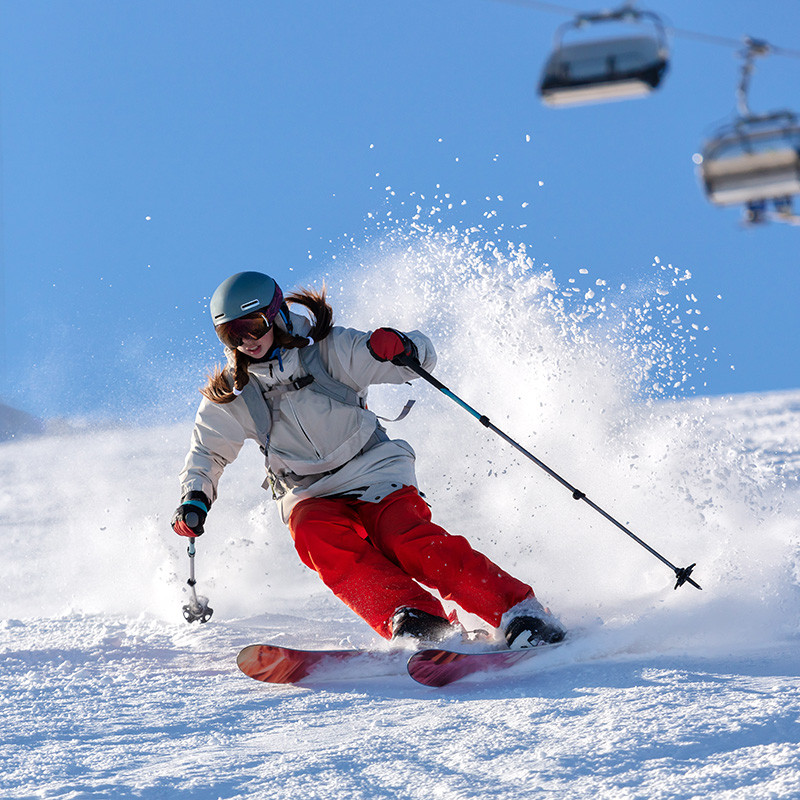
<point>681,573</point>
<point>599,380</point>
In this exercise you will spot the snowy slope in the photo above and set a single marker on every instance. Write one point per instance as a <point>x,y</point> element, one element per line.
<point>107,693</point>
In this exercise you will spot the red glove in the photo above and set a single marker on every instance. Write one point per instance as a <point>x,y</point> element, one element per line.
<point>386,344</point>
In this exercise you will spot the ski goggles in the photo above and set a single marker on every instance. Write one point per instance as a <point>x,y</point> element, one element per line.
<point>233,333</point>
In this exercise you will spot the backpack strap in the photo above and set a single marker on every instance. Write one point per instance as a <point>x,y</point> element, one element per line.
<point>259,409</point>
<point>264,406</point>
<point>323,382</point>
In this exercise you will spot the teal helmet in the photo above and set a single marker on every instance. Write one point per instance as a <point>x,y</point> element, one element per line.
<point>244,293</point>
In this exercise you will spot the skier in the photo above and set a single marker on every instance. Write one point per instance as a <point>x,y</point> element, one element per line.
<point>347,492</point>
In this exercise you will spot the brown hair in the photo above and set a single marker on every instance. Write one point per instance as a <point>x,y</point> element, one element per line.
<point>218,389</point>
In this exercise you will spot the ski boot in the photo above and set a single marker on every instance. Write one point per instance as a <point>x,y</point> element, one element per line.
<point>425,628</point>
<point>530,624</point>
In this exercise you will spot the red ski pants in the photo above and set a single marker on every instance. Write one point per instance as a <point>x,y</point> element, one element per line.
<point>374,556</point>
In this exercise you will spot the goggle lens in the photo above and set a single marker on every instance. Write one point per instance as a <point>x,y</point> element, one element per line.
<point>235,332</point>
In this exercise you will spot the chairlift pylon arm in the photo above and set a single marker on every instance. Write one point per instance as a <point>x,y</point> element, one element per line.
<point>753,49</point>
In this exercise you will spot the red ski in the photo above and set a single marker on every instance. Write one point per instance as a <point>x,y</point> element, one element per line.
<point>274,664</point>
<point>439,667</point>
<point>434,667</point>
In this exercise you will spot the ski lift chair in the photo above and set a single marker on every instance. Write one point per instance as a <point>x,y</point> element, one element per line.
<point>605,69</point>
<point>754,160</point>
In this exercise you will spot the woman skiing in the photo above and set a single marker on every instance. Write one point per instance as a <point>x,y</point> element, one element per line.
<point>347,492</point>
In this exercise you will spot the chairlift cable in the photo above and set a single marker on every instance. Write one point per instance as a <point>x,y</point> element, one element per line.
<point>706,38</point>
<point>727,41</point>
<point>538,5</point>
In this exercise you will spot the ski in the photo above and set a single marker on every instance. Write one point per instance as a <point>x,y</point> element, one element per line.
<point>274,664</point>
<point>432,667</point>
<point>436,667</point>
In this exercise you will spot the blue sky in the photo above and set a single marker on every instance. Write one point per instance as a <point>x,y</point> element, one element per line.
<point>149,149</point>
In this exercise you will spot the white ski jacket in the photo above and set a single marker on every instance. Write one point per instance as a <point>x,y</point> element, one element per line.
<point>316,446</point>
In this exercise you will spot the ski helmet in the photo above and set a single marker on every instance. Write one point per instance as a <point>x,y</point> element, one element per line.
<point>243,293</point>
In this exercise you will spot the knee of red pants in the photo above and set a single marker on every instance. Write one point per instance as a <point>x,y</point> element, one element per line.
<point>401,526</point>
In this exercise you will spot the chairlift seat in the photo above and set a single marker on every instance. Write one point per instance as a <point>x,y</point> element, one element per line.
<point>754,159</point>
<point>602,70</point>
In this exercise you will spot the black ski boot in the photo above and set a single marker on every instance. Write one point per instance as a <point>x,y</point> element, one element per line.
<point>420,625</point>
<point>529,624</point>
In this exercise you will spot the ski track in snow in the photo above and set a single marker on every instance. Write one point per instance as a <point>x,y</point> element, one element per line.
<point>102,707</point>
<point>107,693</point>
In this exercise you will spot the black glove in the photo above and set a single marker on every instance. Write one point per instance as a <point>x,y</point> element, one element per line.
<point>386,344</point>
<point>190,515</point>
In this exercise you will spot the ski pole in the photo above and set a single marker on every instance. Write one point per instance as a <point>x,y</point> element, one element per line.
<point>196,610</point>
<point>682,574</point>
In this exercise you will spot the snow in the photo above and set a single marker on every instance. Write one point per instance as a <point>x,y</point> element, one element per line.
<point>106,692</point>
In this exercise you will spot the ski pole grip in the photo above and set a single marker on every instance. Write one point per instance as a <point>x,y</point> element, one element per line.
<point>191,519</point>
<point>404,360</point>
